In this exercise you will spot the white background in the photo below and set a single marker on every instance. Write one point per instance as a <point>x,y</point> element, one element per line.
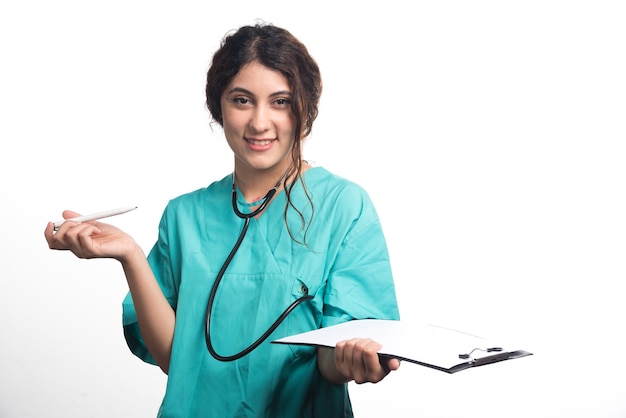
<point>490,135</point>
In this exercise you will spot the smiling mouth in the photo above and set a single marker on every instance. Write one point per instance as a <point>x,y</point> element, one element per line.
<point>259,141</point>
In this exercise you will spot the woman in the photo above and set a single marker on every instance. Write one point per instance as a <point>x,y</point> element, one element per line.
<point>276,242</point>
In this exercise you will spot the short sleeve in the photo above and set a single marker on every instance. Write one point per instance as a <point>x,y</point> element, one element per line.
<point>360,283</point>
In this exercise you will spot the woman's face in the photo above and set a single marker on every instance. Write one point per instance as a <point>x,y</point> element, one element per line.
<point>257,119</point>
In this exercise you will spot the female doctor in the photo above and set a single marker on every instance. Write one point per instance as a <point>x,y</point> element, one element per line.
<point>277,247</point>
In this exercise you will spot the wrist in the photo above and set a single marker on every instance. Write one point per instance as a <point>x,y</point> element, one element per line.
<point>132,256</point>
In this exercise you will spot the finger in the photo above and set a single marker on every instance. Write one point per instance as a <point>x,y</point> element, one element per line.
<point>352,362</point>
<point>392,363</point>
<point>353,355</point>
<point>371,360</point>
<point>68,214</point>
<point>340,356</point>
<point>81,233</point>
<point>61,237</point>
<point>77,237</point>
<point>49,233</point>
<point>363,356</point>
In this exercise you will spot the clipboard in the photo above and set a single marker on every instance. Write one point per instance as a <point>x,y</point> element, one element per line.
<point>431,346</point>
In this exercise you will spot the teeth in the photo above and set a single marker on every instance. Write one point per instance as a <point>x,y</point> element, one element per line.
<point>266,142</point>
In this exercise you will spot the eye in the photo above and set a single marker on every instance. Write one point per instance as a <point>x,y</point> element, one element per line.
<point>240,100</point>
<point>283,102</point>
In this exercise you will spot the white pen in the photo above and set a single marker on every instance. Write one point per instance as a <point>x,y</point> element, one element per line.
<point>95,216</point>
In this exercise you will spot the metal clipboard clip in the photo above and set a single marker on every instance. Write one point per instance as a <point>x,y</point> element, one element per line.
<point>478,361</point>
<point>494,358</point>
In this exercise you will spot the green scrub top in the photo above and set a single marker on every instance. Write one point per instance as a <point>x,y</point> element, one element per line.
<point>344,265</point>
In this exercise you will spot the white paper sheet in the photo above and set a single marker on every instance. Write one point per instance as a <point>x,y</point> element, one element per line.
<point>428,345</point>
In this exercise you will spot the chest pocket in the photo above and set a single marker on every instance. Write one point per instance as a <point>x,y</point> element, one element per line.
<point>246,306</point>
<point>257,287</point>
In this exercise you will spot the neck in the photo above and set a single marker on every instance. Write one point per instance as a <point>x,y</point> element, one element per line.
<point>254,187</point>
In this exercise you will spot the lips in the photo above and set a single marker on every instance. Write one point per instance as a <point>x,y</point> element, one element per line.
<point>259,142</point>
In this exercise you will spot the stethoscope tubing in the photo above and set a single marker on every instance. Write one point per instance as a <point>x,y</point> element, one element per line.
<point>207,334</point>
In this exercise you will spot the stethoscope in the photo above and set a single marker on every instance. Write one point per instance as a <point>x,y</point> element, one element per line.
<point>207,329</point>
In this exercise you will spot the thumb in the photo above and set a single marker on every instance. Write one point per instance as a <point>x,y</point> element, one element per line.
<point>68,214</point>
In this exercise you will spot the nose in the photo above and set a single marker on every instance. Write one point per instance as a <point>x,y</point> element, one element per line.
<point>260,120</point>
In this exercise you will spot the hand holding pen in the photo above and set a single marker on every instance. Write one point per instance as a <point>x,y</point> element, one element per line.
<point>88,239</point>
<point>95,216</point>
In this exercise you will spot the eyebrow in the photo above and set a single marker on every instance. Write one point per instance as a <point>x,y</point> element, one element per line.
<point>249,93</point>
